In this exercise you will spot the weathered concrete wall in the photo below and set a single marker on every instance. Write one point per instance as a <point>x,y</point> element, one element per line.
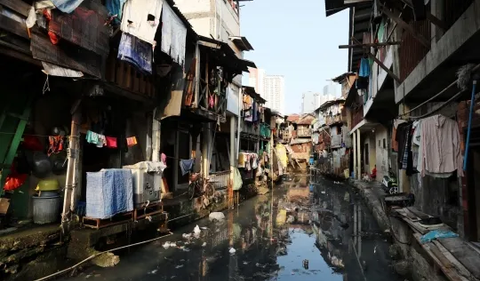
<point>438,197</point>
<point>464,29</point>
<point>410,257</point>
<point>31,254</point>
<point>381,138</point>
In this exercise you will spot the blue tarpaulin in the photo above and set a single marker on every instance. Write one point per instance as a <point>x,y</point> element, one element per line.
<point>67,6</point>
<point>435,234</point>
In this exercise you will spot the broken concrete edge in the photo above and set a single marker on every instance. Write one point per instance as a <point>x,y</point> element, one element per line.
<point>373,203</point>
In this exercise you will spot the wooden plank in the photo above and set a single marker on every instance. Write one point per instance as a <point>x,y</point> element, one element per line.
<point>136,81</point>
<point>460,268</point>
<point>389,72</point>
<point>128,76</point>
<point>13,26</point>
<point>404,25</point>
<point>368,45</point>
<point>419,214</point>
<point>436,21</point>
<point>450,272</point>
<point>17,5</point>
<point>119,72</point>
<point>464,254</point>
<point>74,58</point>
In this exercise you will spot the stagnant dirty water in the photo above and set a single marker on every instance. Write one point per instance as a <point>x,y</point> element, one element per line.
<point>328,235</point>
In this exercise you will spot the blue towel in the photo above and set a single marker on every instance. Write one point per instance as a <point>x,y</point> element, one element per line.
<point>67,6</point>
<point>115,7</point>
<point>364,68</point>
<point>109,192</point>
<point>186,165</point>
<point>136,52</point>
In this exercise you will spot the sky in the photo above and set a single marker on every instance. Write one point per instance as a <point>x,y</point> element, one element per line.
<point>297,40</point>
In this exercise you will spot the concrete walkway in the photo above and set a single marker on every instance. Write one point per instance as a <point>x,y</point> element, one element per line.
<point>372,193</point>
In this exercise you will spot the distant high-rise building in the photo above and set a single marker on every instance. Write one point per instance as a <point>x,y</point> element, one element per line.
<point>331,89</point>
<point>256,79</point>
<point>274,92</point>
<point>270,87</point>
<point>310,101</point>
<point>313,100</point>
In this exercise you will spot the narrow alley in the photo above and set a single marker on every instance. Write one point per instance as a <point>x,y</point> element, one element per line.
<point>319,241</point>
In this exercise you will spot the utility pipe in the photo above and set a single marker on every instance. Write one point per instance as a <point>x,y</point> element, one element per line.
<point>469,128</point>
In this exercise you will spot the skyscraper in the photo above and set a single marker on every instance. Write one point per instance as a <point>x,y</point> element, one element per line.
<point>256,79</point>
<point>310,101</point>
<point>274,92</point>
<point>270,87</point>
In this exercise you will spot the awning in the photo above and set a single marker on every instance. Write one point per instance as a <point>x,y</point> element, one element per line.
<point>251,92</point>
<point>225,55</point>
<point>334,6</point>
<point>242,43</point>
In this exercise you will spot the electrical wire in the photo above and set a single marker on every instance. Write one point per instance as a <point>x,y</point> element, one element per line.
<point>98,254</point>
<point>474,69</point>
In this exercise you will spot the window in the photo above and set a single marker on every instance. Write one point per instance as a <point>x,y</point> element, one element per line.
<point>385,143</point>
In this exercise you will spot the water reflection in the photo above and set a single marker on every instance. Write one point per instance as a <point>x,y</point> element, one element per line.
<point>289,234</point>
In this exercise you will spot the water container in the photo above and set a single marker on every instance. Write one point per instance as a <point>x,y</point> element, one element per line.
<point>46,209</point>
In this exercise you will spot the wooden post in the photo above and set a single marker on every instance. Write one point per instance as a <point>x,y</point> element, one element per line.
<point>207,87</point>
<point>197,77</point>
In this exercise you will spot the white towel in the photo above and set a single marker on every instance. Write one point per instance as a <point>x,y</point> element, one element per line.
<point>174,36</point>
<point>135,19</point>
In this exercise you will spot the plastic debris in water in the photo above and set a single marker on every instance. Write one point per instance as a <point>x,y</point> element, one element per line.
<point>232,251</point>
<point>305,263</point>
<point>219,216</point>
<point>169,244</point>
<point>197,230</point>
<point>204,244</point>
<point>153,271</point>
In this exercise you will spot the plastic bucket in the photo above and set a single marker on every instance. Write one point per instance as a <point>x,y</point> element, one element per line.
<point>49,194</point>
<point>46,209</point>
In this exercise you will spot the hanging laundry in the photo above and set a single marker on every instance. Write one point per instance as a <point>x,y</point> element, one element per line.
<point>441,152</point>
<point>131,141</point>
<point>136,52</point>
<point>174,35</point>
<point>237,179</point>
<point>247,102</point>
<point>92,137</point>
<point>111,142</point>
<point>248,162</point>
<point>364,70</point>
<point>14,180</point>
<point>102,141</point>
<point>55,145</point>
<point>141,18</point>
<point>115,7</point>
<point>241,160</point>
<point>186,165</point>
<point>67,6</point>
<point>254,161</point>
